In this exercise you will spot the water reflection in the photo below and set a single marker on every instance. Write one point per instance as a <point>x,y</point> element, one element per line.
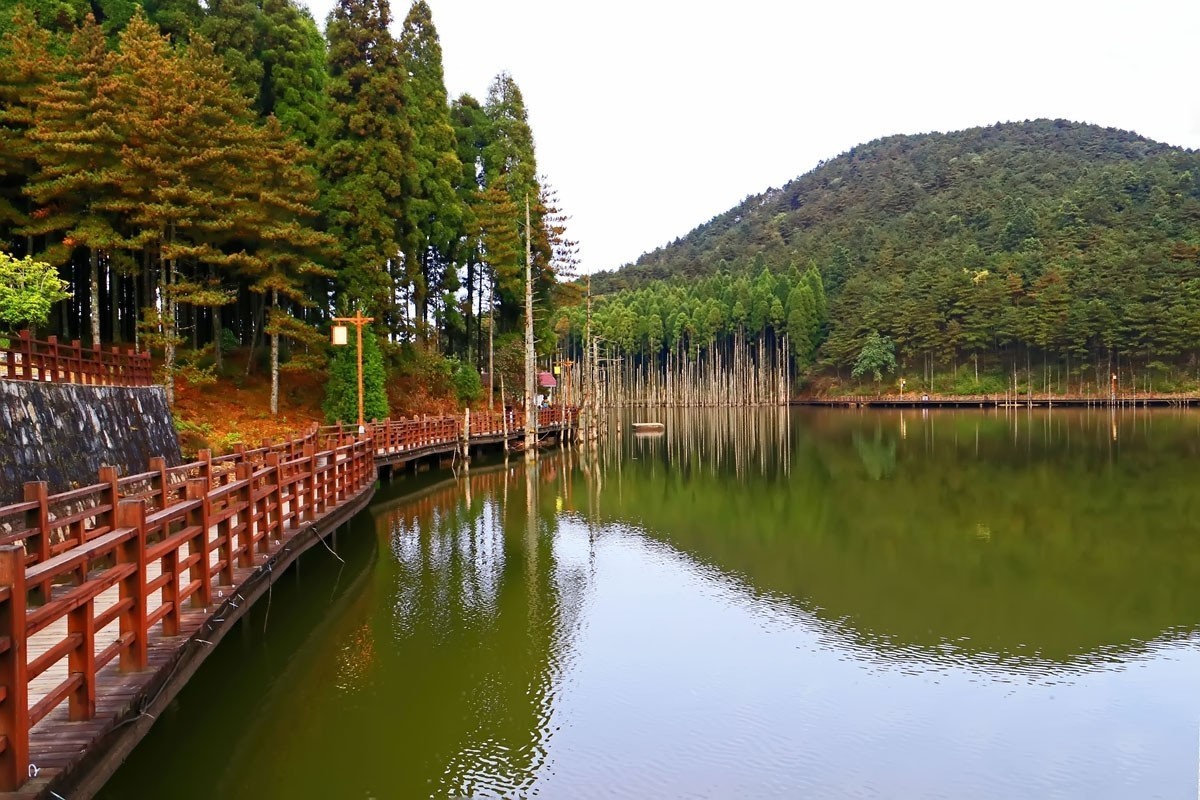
<point>481,610</point>
<point>772,603</point>
<point>1007,539</point>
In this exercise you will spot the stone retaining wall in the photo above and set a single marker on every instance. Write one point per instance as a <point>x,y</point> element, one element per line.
<point>64,433</point>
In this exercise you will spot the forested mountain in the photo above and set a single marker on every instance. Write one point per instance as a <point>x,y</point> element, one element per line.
<point>1048,248</point>
<point>212,175</point>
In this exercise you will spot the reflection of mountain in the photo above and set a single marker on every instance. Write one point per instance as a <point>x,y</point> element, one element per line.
<point>1030,537</point>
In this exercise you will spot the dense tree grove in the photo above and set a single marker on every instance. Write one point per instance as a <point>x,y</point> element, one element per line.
<point>213,173</point>
<point>1050,255</point>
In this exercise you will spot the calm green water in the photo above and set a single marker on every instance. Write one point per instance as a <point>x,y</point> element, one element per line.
<point>803,604</point>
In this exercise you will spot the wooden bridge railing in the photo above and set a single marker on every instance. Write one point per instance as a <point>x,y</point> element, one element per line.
<point>197,522</point>
<point>420,433</point>
<point>23,358</point>
<point>166,539</point>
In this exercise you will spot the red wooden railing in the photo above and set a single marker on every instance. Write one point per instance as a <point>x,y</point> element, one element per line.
<point>23,358</point>
<point>198,521</point>
<point>421,433</point>
<point>59,554</point>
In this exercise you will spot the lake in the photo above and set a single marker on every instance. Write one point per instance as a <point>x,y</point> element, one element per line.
<point>803,603</point>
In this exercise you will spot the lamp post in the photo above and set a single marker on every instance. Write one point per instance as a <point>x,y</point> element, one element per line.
<point>339,338</point>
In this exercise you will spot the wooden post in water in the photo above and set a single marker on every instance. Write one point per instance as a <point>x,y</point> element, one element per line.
<point>466,438</point>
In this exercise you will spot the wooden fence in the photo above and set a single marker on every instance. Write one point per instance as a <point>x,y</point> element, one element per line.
<point>166,539</point>
<point>23,358</point>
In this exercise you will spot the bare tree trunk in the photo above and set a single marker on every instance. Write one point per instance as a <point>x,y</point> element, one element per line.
<point>274,357</point>
<point>94,287</point>
<point>530,376</point>
<point>491,347</point>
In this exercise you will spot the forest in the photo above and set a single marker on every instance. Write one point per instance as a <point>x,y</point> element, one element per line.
<point>225,175</point>
<point>1041,256</point>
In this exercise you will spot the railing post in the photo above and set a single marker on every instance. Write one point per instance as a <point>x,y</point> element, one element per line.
<point>159,482</point>
<point>50,365</point>
<point>132,514</point>
<point>197,489</point>
<point>26,350</point>
<point>117,371</point>
<point>275,498</point>
<point>14,707</point>
<point>39,519</point>
<point>310,484</point>
<point>245,527</point>
<point>99,373</point>
<point>81,661</point>
<point>204,459</point>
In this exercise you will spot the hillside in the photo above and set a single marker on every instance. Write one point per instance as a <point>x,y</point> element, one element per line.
<point>1045,241</point>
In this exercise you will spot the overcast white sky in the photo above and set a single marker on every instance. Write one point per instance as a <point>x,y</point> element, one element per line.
<point>651,117</point>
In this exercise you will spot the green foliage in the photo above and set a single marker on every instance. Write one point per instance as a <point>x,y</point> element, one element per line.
<point>341,390</point>
<point>1057,250</point>
<point>876,357</point>
<point>229,340</point>
<point>28,289</point>
<point>161,157</point>
<point>366,147</point>
<point>467,386</point>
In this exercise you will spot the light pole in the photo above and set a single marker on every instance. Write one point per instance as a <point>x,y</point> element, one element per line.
<point>339,338</point>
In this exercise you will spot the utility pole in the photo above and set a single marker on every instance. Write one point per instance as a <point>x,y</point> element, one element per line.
<point>339,337</point>
<point>530,375</point>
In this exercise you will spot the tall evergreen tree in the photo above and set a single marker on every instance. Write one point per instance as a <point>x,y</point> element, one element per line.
<point>293,54</point>
<point>235,28</point>
<point>189,146</point>
<point>433,221</point>
<point>25,66</point>
<point>366,154</point>
<point>78,147</point>
<point>509,166</point>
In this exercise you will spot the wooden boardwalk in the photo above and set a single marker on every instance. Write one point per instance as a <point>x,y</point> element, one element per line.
<point>113,594</point>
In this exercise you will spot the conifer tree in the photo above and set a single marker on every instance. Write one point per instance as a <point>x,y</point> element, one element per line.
<point>234,27</point>
<point>341,391</point>
<point>282,248</point>
<point>25,66</point>
<point>470,128</point>
<point>433,209</point>
<point>293,55</point>
<point>190,145</point>
<point>366,153</point>
<point>509,166</point>
<point>78,148</point>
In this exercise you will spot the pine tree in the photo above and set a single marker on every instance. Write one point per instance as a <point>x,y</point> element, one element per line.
<point>25,66</point>
<point>77,151</point>
<point>189,145</point>
<point>280,259</point>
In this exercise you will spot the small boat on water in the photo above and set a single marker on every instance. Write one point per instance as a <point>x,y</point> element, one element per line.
<point>649,427</point>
